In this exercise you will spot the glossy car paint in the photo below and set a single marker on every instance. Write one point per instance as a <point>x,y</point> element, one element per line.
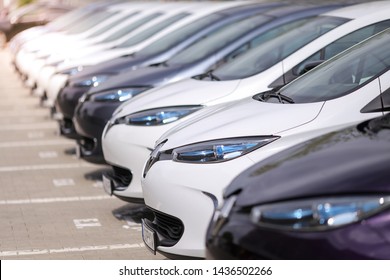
<point>249,117</point>
<point>140,140</point>
<point>345,163</point>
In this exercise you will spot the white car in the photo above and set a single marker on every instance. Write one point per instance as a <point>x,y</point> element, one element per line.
<point>57,25</point>
<point>110,36</point>
<point>114,35</point>
<point>139,122</point>
<point>192,164</point>
<point>51,79</point>
<point>79,31</point>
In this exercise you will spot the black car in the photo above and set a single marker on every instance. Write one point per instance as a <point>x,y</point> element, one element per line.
<point>224,44</point>
<point>328,198</point>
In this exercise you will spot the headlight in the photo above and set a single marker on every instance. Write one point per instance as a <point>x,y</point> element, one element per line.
<point>71,71</point>
<point>318,214</point>
<point>92,82</point>
<point>114,95</point>
<point>158,116</point>
<point>220,150</point>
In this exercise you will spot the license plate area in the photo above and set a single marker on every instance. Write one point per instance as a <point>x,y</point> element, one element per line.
<point>107,185</point>
<point>78,152</point>
<point>149,237</point>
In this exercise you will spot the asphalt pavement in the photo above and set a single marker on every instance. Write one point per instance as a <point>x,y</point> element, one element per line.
<point>52,204</point>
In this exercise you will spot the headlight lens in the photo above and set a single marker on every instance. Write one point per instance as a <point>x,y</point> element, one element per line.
<point>318,214</point>
<point>114,95</point>
<point>220,150</point>
<point>71,71</point>
<point>92,82</point>
<point>158,116</point>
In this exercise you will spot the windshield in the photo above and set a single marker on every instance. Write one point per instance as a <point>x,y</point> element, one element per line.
<point>149,32</point>
<point>266,55</point>
<point>68,18</point>
<point>111,25</point>
<point>179,35</point>
<point>344,73</point>
<point>90,21</point>
<point>218,39</point>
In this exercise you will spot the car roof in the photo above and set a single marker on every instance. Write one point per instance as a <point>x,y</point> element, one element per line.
<point>360,10</point>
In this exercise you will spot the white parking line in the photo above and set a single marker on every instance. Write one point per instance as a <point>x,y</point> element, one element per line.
<point>48,154</point>
<point>63,182</point>
<point>35,134</point>
<point>70,249</point>
<point>32,126</point>
<point>36,143</point>
<point>45,167</point>
<point>82,223</point>
<point>54,199</point>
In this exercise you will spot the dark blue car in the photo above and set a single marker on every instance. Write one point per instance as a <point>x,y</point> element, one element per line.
<point>328,198</point>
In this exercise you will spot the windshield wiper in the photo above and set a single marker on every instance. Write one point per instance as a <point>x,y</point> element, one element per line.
<point>208,74</point>
<point>265,96</point>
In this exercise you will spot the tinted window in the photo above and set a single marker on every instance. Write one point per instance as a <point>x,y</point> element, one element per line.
<point>270,53</point>
<point>218,39</point>
<point>149,32</point>
<point>179,35</point>
<point>344,43</point>
<point>344,73</point>
<point>111,25</point>
<point>90,21</point>
<point>131,27</point>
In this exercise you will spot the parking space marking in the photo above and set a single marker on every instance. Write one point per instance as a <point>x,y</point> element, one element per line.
<point>48,154</point>
<point>45,167</point>
<point>131,224</point>
<point>32,126</point>
<point>97,184</point>
<point>35,134</point>
<point>37,143</point>
<point>70,249</point>
<point>63,182</point>
<point>82,223</point>
<point>54,199</point>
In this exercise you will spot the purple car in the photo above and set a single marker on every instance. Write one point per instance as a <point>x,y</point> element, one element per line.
<point>328,198</point>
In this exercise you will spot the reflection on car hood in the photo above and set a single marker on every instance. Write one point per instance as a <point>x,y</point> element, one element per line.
<point>247,117</point>
<point>350,161</point>
<point>148,76</point>
<point>114,66</point>
<point>185,92</point>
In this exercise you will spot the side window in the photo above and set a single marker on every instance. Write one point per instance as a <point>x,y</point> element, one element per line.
<point>334,48</point>
<point>262,38</point>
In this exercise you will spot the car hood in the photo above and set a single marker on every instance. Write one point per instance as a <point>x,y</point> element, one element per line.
<point>185,92</point>
<point>350,161</point>
<point>247,117</point>
<point>113,66</point>
<point>148,76</point>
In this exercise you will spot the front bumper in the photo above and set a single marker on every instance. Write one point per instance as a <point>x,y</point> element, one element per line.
<point>129,147</point>
<point>65,105</point>
<point>43,80</point>
<point>190,193</point>
<point>89,121</point>
<point>239,238</point>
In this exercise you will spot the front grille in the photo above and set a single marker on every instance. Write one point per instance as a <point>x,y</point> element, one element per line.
<point>168,226</point>
<point>122,176</point>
